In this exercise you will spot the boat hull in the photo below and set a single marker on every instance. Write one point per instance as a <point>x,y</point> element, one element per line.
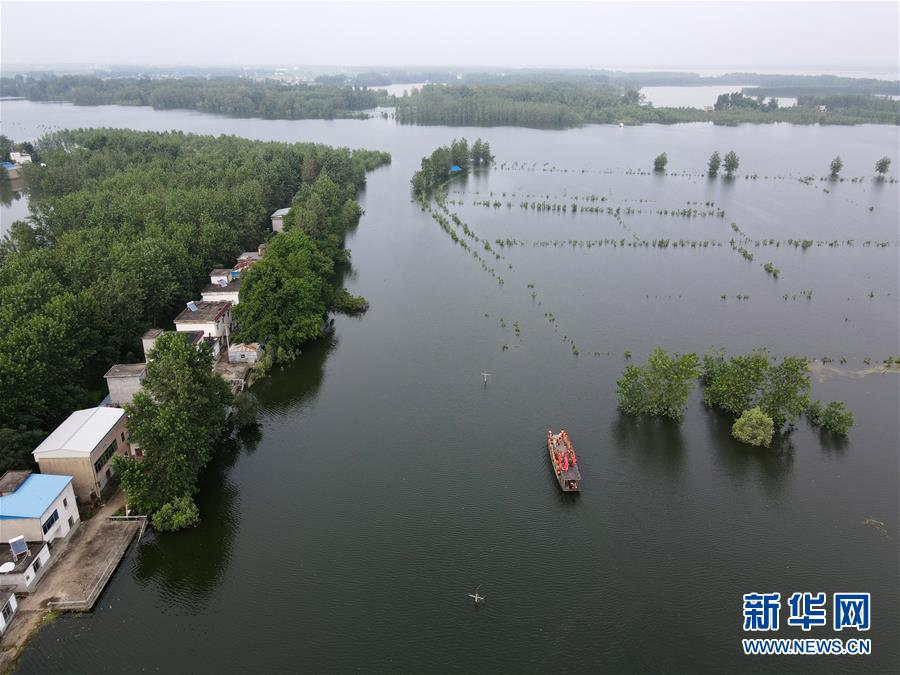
<point>568,477</point>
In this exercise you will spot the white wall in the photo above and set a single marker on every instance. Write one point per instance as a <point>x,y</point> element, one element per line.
<point>65,506</point>
<point>13,606</point>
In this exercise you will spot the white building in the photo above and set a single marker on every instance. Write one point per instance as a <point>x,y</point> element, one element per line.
<point>213,318</point>
<point>223,288</point>
<point>241,352</point>
<point>20,158</point>
<point>36,506</point>
<point>8,606</point>
<point>278,219</point>
<point>21,572</point>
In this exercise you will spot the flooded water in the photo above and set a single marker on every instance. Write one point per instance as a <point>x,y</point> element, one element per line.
<point>388,481</point>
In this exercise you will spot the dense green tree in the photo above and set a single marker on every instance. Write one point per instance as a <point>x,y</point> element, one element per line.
<point>481,153</point>
<point>834,417</point>
<point>835,167</point>
<point>659,387</point>
<point>459,153</point>
<point>751,380</point>
<point>882,166</point>
<point>754,427</point>
<point>732,162</point>
<point>714,162</point>
<point>285,295</point>
<point>176,418</point>
<point>659,164</point>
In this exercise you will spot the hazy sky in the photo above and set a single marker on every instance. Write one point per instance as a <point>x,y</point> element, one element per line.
<point>644,34</point>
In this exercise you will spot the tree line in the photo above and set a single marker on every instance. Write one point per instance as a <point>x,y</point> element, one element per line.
<point>124,228</point>
<point>232,96</point>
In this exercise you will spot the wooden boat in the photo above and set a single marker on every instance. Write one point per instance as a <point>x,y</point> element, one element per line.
<point>564,461</point>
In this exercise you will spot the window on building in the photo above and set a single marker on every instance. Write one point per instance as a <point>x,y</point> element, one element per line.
<point>37,565</point>
<point>105,457</point>
<point>65,502</point>
<point>123,436</point>
<point>71,522</point>
<point>50,522</point>
<point>7,612</point>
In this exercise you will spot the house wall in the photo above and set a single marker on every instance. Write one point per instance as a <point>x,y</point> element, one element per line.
<point>85,481</point>
<point>230,296</point>
<point>30,528</point>
<point>123,389</point>
<point>13,605</point>
<point>278,224</point>
<point>242,357</point>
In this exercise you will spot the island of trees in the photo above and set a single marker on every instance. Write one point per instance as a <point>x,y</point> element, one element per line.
<point>439,167</point>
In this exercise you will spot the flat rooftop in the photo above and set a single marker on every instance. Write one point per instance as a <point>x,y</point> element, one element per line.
<point>220,272</point>
<point>231,287</point>
<point>127,370</point>
<point>35,494</point>
<point>34,547</point>
<point>206,312</point>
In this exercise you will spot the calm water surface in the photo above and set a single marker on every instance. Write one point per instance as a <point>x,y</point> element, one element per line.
<point>387,481</point>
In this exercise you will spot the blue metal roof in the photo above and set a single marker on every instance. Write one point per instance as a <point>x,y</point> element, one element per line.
<point>8,165</point>
<point>33,496</point>
<point>455,169</point>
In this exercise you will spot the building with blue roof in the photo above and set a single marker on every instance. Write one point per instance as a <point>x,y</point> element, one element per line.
<point>37,507</point>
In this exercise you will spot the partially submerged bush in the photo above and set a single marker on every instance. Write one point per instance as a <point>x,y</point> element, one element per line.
<point>754,427</point>
<point>178,514</point>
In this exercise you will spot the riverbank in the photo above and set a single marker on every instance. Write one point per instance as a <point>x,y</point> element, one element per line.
<point>79,573</point>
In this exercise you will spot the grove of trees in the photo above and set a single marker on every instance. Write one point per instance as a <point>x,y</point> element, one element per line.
<point>436,168</point>
<point>124,228</point>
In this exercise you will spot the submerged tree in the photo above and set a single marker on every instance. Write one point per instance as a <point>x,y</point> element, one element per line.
<point>714,162</point>
<point>732,162</point>
<point>834,417</point>
<point>882,166</point>
<point>836,165</point>
<point>659,164</point>
<point>659,387</point>
<point>754,427</point>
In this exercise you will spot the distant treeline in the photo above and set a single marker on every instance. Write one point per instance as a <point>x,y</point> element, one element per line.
<point>561,105</point>
<point>125,227</point>
<point>539,103</point>
<point>236,97</point>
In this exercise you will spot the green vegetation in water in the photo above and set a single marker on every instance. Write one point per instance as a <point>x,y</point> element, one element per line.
<point>660,387</point>
<point>438,168</point>
<point>771,269</point>
<point>835,167</point>
<point>754,427</point>
<point>660,162</point>
<point>834,417</point>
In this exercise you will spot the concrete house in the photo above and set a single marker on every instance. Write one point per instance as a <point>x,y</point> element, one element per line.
<point>82,447</point>
<point>20,158</point>
<point>278,219</point>
<point>37,507</point>
<point>8,606</point>
<point>213,318</point>
<point>223,290</point>
<point>242,352</point>
<point>123,381</point>
<point>195,337</point>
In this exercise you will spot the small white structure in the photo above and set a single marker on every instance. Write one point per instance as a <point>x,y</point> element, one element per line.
<point>213,318</point>
<point>8,607</point>
<point>124,380</point>
<point>22,564</point>
<point>195,337</point>
<point>39,508</point>
<point>278,219</point>
<point>81,449</point>
<point>219,276</point>
<point>244,352</point>
<point>20,158</point>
